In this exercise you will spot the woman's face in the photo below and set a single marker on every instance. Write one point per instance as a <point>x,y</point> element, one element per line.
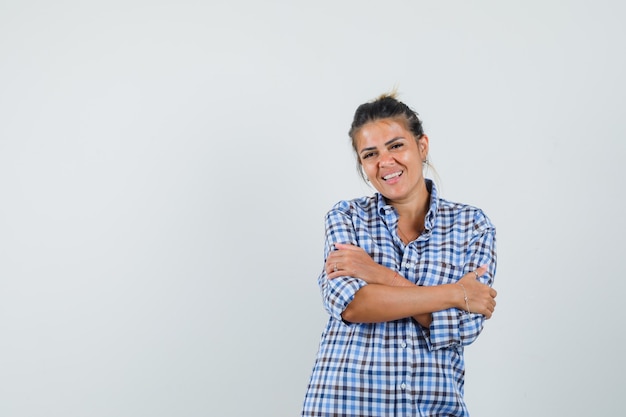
<point>392,158</point>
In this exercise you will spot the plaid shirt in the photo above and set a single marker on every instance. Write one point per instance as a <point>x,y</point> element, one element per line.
<point>399,368</point>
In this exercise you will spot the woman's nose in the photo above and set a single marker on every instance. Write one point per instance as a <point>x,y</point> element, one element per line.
<point>386,159</point>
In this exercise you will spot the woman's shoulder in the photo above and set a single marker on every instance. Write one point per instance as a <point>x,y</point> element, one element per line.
<point>456,205</point>
<point>457,211</point>
<point>364,204</point>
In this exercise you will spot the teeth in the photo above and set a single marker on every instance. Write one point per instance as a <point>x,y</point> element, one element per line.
<point>390,176</point>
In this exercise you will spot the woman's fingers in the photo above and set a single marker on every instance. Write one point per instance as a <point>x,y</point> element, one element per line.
<point>480,271</point>
<point>347,246</point>
<point>345,258</point>
<point>481,297</point>
<point>352,261</point>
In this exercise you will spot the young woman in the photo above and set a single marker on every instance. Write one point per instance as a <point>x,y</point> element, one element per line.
<point>406,282</point>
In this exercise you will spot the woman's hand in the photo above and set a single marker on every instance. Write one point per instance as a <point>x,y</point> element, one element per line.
<point>481,298</point>
<point>353,261</point>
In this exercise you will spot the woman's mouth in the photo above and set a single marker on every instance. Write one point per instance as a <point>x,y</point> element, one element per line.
<point>392,175</point>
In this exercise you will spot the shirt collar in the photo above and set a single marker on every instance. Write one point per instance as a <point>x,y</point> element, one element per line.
<point>386,210</point>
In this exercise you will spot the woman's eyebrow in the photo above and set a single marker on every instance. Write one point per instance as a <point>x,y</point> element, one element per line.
<point>389,142</point>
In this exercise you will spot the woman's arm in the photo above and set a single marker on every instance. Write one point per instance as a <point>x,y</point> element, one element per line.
<point>389,296</point>
<point>377,303</point>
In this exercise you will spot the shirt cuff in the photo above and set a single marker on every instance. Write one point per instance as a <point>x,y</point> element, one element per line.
<point>444,329</point>
<point>340,292</point>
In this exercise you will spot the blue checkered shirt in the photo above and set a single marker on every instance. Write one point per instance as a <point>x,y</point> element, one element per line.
<point>399,368</point>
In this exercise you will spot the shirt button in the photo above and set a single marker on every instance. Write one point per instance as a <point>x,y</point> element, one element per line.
<point>403,344</point>
<point>403,385</point>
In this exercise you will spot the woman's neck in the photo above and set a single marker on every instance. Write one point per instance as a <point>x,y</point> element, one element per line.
<point>412,215</point>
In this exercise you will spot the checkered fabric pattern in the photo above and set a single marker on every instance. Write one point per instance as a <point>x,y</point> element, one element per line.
<point>398,368</point>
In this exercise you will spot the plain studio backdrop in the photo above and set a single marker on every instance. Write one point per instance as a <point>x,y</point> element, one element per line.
<point>165,167</point>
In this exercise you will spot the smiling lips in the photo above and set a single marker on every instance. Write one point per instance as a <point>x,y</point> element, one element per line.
<point>392,175</point>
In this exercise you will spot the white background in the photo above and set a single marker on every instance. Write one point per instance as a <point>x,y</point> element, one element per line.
<point>165,167</point>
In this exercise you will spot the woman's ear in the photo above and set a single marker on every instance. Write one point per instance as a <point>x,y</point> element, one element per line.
<point>422,144</point>
<point>362,171</point>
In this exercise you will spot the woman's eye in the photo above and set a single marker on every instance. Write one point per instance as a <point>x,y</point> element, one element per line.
<point>396,145</point>
<point>367,155</point>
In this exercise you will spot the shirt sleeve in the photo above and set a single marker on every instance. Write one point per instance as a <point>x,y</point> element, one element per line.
<point>339,292</point>
<point>458,327</point>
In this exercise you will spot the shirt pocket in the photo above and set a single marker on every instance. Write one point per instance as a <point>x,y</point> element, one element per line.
<point>438,273</point>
